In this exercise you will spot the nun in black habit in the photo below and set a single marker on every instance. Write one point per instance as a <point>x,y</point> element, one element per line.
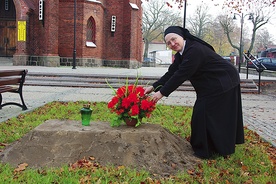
<point>217,122</point>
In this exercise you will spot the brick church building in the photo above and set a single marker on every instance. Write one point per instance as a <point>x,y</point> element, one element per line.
<point>90,33</point>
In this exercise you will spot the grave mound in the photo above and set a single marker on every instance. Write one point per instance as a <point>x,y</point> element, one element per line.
<point>58,142</point>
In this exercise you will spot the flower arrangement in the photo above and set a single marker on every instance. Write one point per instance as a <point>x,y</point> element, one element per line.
<point>130,102</point>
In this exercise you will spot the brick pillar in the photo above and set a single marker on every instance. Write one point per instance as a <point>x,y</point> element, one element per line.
<point>22,10</point>
<point>50,55</point>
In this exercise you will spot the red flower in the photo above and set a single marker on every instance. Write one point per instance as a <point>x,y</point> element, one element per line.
<point>145,104</point>
<point>131,88</point>
<point>121,91</point>
<point>126,103</point>
<point>133,98</point>
<point>140,90</point>
<point>134,110</point>
<point>131,102</point>
<point>113,102</point>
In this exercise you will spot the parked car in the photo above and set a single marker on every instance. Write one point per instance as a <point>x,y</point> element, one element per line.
<point>148,60</point>
<point>269,63</point>
<point>227,58</point>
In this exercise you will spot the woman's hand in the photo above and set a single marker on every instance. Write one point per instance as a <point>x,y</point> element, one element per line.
<point>157,96</point>
<point>148,89</point>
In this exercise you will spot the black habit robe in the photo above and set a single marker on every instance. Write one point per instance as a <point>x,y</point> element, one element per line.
<point>217,122</point>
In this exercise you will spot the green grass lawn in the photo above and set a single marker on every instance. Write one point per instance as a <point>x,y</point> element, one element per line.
<point>253,162</point>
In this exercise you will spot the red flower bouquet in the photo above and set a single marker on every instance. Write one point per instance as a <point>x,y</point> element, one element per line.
<point>130,102</point>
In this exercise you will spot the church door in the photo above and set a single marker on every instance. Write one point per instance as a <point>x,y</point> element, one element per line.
<point>7,28</point>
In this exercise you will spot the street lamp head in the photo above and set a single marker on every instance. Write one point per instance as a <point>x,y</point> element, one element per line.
<point>234,18</point>
<point>250,16</point>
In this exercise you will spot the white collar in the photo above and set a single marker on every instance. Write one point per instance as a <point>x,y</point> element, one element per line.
<point>184,43</point>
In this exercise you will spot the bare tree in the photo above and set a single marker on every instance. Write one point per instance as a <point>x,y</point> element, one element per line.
<point>202,25</point>
<point>218,39</point>
<point>263,40</point>
<point>228,26</point>
<point>258,19</point>
<point>198,22</point>
<point>260,15</point>
<point>156,17</point>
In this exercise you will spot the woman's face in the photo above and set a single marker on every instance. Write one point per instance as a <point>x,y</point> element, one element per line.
<point>174,42</point>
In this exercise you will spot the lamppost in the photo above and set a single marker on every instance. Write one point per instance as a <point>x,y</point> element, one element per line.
<point>242,16</point>
<point>74,50</point>
<point>184,21</point>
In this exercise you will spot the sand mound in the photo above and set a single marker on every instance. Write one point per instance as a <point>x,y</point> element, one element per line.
<point>58,142</point>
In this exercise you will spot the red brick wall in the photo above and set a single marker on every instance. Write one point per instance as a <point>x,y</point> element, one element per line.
<point>96,11</point>
<point>114,41</point>
<point>42,36</point>
<point>136,32</point>
<point>126,41</point>
<point>56,36</point>
<point>21,14</point>
<point>66,28</point>
<point>51,27</point>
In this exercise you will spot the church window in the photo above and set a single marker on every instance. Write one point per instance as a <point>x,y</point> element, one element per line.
<point>91,33</point>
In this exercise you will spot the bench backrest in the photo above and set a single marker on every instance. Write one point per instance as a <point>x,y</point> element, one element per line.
<point>11,77</point>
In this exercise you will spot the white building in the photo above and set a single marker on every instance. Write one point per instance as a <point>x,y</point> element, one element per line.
<point>159,53</point>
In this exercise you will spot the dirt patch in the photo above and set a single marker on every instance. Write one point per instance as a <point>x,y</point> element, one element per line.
<point>56,142</point>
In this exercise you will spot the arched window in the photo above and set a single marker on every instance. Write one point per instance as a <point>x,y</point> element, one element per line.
<point>91,33</point>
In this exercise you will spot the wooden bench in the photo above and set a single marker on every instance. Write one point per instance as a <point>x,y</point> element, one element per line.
<point>12,81</point>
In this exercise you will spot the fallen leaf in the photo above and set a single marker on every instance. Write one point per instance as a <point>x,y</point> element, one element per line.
<point>3,144</point>
<point>244,168</point>
<point>92,158</point>
<point>191,172</point>
<point>21,167</point>
<point>121,167</point>
<point>85,179</point>
<point>173,165</point>
<point>42,172</point>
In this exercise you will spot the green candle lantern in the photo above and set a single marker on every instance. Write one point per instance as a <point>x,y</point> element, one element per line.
<point>86,113</point>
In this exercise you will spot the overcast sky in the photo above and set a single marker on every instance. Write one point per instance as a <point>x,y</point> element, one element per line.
<point>215,8</point>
